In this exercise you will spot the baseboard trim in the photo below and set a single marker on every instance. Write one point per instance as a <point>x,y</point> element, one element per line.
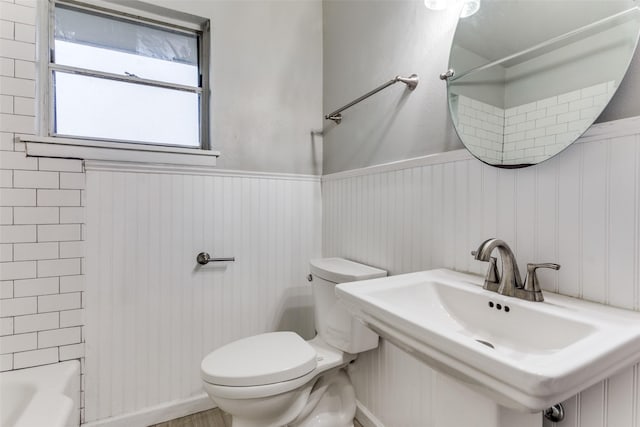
<point>157,414</point>
<point>365,417</point>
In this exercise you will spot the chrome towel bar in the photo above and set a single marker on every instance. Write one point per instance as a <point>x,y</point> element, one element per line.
<point>411,82</point>
<point>204,258</point>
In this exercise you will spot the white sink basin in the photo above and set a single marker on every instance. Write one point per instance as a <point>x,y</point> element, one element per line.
<point>525,355</point>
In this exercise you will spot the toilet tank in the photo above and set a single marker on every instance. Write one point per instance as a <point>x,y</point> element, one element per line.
<point>333,323</point>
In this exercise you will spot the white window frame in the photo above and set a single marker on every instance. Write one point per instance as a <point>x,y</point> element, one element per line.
<point>147,14</point>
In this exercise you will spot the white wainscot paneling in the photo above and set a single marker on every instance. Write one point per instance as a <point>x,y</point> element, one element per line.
<point>580,209</point>
<point>152,311</point>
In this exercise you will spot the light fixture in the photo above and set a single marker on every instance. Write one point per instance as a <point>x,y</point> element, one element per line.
<point>436,4</point>
<point>469,8</point>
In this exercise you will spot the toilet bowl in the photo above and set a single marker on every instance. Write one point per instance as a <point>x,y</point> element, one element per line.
<point>278,379</point>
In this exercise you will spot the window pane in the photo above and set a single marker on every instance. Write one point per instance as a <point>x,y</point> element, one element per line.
<point>117,62</point>
<point>104,43</point>
<point>101,108</point>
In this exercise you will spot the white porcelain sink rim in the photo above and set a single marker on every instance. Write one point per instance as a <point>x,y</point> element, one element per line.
<point>527,386</point>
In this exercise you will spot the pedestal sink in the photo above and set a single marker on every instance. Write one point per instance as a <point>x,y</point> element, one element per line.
<point>523,355</point>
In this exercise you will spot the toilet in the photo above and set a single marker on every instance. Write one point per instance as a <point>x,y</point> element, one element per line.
<point>278,379</point>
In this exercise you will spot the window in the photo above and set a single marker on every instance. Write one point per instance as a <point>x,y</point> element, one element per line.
<point>116,77</point>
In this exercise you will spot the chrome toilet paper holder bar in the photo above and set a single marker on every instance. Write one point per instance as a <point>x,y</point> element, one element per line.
<point>204,258</point>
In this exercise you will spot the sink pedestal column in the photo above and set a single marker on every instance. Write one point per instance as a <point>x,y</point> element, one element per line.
<point>455,405</point>
<point>510,418</point>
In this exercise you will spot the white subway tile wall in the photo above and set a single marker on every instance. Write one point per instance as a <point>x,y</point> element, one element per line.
<point>6,326</point>
<point>44,356</point>
<point>41,216</point>
<point>6,252</point>
<point>36,322</point>
<point>532,132</point>
<point>35,287</point>
<point>481,126</point>
<point>36,215</point>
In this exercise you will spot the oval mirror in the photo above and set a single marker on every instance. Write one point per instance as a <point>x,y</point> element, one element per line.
<point>528,77</point>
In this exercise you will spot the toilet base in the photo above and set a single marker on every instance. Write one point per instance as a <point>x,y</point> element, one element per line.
<point>327,401</point>
<point>332,402</point>
<point>272,411</point>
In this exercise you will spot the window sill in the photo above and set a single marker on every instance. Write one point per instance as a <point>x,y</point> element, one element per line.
<point>37,146</point>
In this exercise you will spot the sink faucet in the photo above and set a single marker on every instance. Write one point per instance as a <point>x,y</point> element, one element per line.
<point>510,280</point>
<point>509,283</point>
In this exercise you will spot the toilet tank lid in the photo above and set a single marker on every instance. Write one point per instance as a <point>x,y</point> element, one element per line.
<point>259,360</point>
<point>340,270</point>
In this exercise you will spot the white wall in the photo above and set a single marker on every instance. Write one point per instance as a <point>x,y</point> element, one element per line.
<point>580,209</point>
<point>266,100</point>
<point>625,104</point>
<point>152,312</point>
<point>368,42</point>
<point>266,82</point>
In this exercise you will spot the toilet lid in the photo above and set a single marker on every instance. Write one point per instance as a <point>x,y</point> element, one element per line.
<point>259,360</point>
<point>340,270</point>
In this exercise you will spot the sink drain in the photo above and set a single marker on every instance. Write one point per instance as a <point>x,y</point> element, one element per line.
<point>487,343</point>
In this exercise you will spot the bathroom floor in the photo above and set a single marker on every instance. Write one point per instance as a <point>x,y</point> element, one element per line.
<point>211,418</point>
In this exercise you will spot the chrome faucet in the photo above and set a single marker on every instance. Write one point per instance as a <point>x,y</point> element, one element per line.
<point>509,283</point>
<point>510,280</point>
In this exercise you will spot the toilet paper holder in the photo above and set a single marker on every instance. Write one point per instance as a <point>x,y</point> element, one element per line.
<point>204,258</point>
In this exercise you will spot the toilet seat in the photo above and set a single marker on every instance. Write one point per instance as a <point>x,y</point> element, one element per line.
<point>257,391</point>
<point>260,360</point>
<point>326,358</point>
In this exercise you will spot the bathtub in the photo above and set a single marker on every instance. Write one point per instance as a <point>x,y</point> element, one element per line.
<point>43,396</point>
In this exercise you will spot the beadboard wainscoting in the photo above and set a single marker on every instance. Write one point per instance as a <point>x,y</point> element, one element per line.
<point>153,312</point>
<point>580,209</point>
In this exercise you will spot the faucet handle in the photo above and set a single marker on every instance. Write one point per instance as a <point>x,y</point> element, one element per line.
<point>492,278</point>
<point>532,284</point>
<point>551,265</point>
<point>492,272</point>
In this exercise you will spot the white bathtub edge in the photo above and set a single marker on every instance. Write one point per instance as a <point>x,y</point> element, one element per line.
<point>157,414</point>
<point>58,379</point>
